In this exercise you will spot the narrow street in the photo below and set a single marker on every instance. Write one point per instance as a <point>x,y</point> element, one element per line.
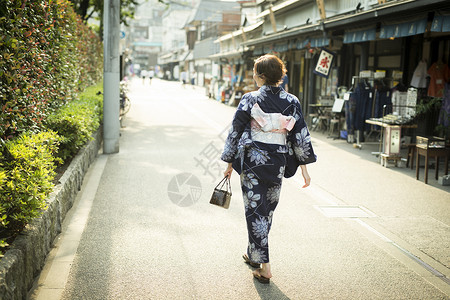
<point>143,228</point>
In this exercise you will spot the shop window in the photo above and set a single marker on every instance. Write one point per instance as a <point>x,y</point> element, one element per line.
<point>371,62</point>
<point>357,64</point>
<point>372,48</point>
<point>389,62</point>
<point>389,47</point>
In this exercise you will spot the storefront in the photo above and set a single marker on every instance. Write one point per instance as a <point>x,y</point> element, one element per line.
<point>381,57</point>
<point>232,76</point>
<point>409,57</point>
<point>378,50</point>
<point>299,50</point>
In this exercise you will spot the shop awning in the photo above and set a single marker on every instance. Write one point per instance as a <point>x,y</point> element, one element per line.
<point>388,10</point>
<point>403,29</point>
<point>281,47</point>
<point>189,56</point>
<point>441,24</point>
<point>315,42</point>
<point>289,33</point>
<point>167,55</point>
<point>239,32</point>
<point>229,54</point>
<point>356,36</point>
<point>380,13</point>
<point>258,51</point>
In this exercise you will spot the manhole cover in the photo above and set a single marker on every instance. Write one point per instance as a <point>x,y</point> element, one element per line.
<point>345,211</point>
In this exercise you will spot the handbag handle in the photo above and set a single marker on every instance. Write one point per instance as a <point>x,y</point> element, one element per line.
<point>224,181</point>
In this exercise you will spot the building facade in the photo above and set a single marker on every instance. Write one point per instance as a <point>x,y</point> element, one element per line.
<point>142,40</point>
<point>206,21</point>
<point>391,37</point>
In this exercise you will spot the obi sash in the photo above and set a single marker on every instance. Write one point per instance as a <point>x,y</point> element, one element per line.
<point>270,128</point>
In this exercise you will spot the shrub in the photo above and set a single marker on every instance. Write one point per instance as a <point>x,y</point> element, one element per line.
<point>47,55</point>
<point>27,163</point>
<point>77,121</point>
<point>26,180</point>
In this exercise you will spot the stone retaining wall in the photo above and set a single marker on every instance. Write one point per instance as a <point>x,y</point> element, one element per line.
<point>26,256</point>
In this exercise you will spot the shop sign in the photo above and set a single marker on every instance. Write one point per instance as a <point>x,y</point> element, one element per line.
<point>324,63</point>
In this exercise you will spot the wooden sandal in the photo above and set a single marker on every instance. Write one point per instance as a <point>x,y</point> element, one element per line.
<point>260,278</point>
<point>249,262</point>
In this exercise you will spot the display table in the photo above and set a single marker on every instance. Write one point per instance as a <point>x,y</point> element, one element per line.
<point>390,140</point>
<point>384,124</point>
<point>321,108</point>
<point>431,147</point>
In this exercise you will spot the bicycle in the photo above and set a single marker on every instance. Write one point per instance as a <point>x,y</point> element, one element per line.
<point>125,103</point>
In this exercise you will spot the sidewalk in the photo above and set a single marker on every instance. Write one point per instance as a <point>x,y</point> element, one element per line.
<point>142,227</point>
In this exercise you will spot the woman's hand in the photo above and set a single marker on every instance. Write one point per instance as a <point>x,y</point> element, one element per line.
<point>305,175</point>
<point>228,171</point>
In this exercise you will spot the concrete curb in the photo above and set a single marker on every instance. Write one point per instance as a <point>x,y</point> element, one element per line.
<point>26,257</point>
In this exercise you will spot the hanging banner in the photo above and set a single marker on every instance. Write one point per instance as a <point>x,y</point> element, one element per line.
<point>324,63</point>
<point>281,47</point>
<point>403,29</point>
<point>356,36</point>
<point>441,24</point>
<point>313,42</point>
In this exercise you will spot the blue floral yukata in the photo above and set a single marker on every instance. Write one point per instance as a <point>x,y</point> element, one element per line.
<point>268,140</point>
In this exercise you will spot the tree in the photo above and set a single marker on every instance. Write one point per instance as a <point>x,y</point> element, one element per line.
<point>88,9</point>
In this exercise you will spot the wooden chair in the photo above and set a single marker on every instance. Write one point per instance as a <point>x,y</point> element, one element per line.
<point>324,122</point>
<point>312,123</point>
<point>334,124</point>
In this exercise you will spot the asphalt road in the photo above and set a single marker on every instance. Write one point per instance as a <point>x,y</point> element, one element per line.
<point>142,227</point>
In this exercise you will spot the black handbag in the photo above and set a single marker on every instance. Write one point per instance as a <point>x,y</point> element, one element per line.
<point>222,197</point>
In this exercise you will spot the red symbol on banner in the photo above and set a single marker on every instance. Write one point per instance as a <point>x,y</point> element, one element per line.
<point>324,62</point>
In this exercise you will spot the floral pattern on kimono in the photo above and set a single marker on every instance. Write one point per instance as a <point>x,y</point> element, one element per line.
<point>298,148</point>
<point>267,141</point>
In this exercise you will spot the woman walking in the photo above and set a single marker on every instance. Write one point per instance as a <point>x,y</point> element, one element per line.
<point>268,140</point>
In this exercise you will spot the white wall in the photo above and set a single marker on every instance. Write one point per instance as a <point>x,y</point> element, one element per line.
<point>333,7</point>
<point>173,35</point>
<point>298,16</point>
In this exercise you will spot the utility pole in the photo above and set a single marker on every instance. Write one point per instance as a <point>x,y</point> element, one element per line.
<point>111,77</point>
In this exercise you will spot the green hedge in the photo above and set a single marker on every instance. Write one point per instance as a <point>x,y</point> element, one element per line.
<point>76,121</point>
<point>27,163</point>
<point>27,179</point>
<point>47,56</point>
